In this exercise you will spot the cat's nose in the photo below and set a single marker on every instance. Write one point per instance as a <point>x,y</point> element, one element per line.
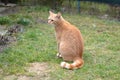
<point>49,21</point>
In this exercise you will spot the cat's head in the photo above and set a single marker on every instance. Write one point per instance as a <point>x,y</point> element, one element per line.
<point>54,18</point>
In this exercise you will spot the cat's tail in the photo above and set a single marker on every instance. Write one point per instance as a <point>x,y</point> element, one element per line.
<point>75,65</point>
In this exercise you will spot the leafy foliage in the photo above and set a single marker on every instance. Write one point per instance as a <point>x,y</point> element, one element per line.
<point>4,20</point>
<point>24,21</point>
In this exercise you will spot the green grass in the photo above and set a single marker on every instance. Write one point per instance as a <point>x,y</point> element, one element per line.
<point>94,7</point>
<point>38,44</point>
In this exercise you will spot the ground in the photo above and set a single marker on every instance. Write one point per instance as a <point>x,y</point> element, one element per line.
<point>33,56</point>
<point>38,71</point>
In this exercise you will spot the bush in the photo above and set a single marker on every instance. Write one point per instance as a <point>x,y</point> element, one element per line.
<point>24,21</point>
<point>5,20</point>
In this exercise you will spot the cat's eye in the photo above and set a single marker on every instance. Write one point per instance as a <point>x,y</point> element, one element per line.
<point>52,20</point>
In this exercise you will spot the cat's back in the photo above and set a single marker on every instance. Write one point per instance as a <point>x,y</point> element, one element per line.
<point>72,30</point>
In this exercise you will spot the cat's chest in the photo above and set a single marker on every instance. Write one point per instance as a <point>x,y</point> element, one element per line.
<point>59,32</point>
<point>58,35</point>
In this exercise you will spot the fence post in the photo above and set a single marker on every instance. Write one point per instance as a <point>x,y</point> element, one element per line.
<point>78,5</point>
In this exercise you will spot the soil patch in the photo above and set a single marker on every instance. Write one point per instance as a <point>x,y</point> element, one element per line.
<point>38,68</point>
<point>37,71</point>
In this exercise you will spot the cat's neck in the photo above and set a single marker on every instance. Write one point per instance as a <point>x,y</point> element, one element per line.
<point>61,25</point>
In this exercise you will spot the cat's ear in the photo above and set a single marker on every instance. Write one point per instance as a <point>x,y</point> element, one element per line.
<point>50,12</point>
<point>58,15</point>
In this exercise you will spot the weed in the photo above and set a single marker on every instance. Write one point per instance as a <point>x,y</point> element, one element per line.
<point>24,21</point>
<point>4,20</point>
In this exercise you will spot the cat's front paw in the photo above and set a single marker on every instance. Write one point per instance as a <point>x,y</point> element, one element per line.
<point>59,55</point>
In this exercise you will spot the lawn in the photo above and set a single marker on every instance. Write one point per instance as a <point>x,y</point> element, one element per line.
<point>37,44</point>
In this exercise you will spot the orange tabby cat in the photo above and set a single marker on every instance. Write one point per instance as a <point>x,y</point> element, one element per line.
<point>69,40</point>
